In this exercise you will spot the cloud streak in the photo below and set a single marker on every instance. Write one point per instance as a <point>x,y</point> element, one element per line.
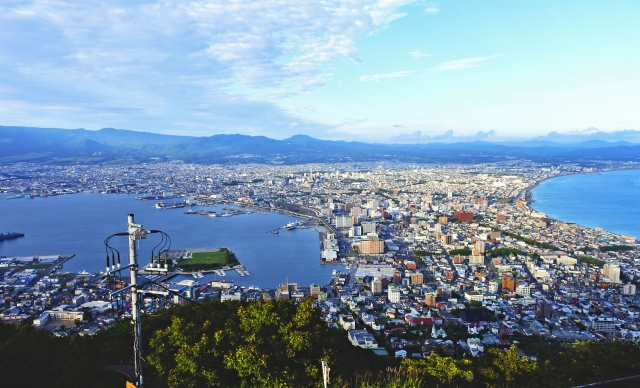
<point>464,63</point>
<point>418,53</point>
<point>378,77</point>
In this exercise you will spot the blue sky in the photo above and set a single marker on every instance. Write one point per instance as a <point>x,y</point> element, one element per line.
<point>386,70</point>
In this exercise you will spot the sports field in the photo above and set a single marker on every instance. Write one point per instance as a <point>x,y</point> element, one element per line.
<point>198,261</point>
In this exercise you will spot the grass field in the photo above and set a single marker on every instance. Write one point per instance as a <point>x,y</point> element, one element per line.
<point>208,260</point>
<point>38,266</point>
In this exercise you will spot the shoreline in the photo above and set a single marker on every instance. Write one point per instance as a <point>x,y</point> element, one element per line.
<point>528,194</point>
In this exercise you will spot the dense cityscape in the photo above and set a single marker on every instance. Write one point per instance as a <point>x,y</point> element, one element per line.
<point>454,253</point>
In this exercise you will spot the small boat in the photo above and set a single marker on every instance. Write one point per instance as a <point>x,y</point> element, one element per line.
<point>275,231</point>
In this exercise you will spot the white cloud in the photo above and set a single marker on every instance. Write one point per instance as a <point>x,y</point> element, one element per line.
<point>418,53</point>
<point>378,77</point>
<point>432,7</point>
<point>465,63</point>
<point>168,56</point>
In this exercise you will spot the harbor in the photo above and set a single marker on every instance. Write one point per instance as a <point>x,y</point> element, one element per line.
<point>267,257</point>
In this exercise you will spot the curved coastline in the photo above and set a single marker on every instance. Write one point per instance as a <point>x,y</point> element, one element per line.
<point>530,198</point>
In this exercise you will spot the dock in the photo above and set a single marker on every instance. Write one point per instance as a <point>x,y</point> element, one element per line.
<point>63,259</point>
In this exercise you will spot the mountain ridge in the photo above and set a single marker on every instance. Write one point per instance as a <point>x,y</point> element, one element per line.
<point>110,145</point>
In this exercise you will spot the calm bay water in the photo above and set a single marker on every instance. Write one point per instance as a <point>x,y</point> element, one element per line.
<point>79,223</point>
<point>608,200</point>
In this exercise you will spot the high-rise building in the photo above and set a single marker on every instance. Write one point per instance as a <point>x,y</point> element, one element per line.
<point>393,293</point>
<point>509,283</point>
<point>447,239</point>
<point>612,271</point>
<point>376,287</point>
<point>314,290</point>
<point>368,227</point>
<point>430,299</point>
<point>629,289</point>
<point>416,277</point>
<point>480,246</point>
<point>372,247</point>
<point>344,221</point>
<point>476,259</point>
<point>523,290</point>
<point>397,277</point>
<point>545,308</point>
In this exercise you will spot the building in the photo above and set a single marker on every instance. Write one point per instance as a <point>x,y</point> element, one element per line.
<point>357,211</point>
<point>447,239</point>
<point>393,293</point>
<point>416,277</point>
<point>545,308</point>
<point>344,221</point>
<point>612,271</point>
<point>397,278</point>
<point>376,287</point>
<point>458,259</point>
<point>463,216</point>
<point>480,246</point>
<point>430,299</point>
<point>368,227</point>
<point>222,284</point>
<point>314,290</point>
<point>604,325</point>
<point>372,247</point>
<point>57,315</point>
<point>509,284</point>
<point>476,259</point>
<point>362,338</point>
<point>355,231</point>
<point>523,290</point>
<point>346,322</point>
<point>629,289</point>
<point>473,296</point>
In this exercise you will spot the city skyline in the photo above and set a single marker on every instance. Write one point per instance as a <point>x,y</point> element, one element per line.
<point>387,71</point>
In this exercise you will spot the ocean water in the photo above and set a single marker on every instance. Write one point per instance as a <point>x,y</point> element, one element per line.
<point>79,223</point>
<point>608,200</point>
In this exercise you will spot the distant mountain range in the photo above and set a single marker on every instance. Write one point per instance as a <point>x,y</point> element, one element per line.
<point>108,145</point>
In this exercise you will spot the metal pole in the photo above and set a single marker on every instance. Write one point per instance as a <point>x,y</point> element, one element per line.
<point>135,308</point>
<point>325,373</point>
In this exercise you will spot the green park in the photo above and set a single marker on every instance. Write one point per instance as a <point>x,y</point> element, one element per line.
<point>198,260</point>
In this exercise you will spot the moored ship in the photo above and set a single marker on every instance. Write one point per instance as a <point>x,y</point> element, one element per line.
<point>10,235</point>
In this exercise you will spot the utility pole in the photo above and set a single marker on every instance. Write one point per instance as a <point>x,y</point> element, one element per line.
<point>135,232</point>
<point>325,373</point>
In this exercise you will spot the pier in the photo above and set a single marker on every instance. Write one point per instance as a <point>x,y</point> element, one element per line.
<point>63,259</point>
